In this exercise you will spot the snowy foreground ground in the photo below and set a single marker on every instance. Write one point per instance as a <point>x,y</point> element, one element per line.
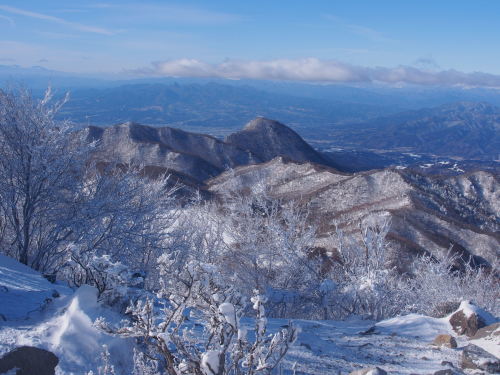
<point>37,313</point>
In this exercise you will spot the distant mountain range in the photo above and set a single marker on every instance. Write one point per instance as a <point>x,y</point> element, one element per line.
<point>361,127</point>
<point>464,130</point>
<point>207,105</point>
<point>392,98</point>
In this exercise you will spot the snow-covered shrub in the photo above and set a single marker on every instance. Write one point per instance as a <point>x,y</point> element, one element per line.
<point>437,283</point>
<point>267,244</point>
<point>366,284</point>
<point>123,215</point>
<point>117,253</point>
<point>120,226</point>
<point>193,294</point>
<point>115,282</point>
<point>106,367</point>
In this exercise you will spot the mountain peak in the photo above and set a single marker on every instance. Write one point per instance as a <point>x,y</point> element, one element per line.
<point>260,123</point>
<point>268,139</point>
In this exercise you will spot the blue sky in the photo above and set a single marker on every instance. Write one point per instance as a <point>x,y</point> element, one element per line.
<point>302,40</point>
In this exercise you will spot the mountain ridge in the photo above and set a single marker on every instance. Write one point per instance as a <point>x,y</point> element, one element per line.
<point>428,214</point>
<point>199,156</point>
<point>468,130</point>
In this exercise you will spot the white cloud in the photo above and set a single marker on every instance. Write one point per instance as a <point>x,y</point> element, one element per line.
<point>60,21</point>
<point>315,70</point>
<point>309,69</point>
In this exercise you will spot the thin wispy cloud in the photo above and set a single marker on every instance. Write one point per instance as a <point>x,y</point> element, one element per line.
<point>364,31</point>
<point>177,13</point>
<point>7,19</point>
<point>368,33</point>
<point>316,70</point>
<point>58,20</point>
<point>55,35</point>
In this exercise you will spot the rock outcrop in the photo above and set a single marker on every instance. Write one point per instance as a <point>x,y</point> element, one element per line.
<point>469,318</point>
<point>476,358</point>
<point>445,340</point>
<point>490,332</point>
<point>29,361</point>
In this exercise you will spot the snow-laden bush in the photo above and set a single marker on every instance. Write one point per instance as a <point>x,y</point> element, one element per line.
<point>194,327</point>
<point>437,285</point>
<point>267,244</point>
<point>106,367</point>
<point>116,283</point>
<point>126,221</point>
<point>366,283</point>
<point>144,365</point>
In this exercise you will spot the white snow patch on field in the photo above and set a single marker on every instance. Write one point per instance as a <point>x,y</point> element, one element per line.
<point>63,326</point>
<point>415,325</point>
<point>23,292</point>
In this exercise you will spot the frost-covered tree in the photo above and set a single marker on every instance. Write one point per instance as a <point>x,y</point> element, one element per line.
<point>39,172</point>
<point>267,245</point>
<point>193,325</point>
<point>62,211</point>
<point>120,218</point>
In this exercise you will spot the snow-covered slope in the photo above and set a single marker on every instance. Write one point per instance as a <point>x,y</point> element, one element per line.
<point>330,347</point>
<point>64,326</point>
<point>23,291</point>
<point>428,214</point>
